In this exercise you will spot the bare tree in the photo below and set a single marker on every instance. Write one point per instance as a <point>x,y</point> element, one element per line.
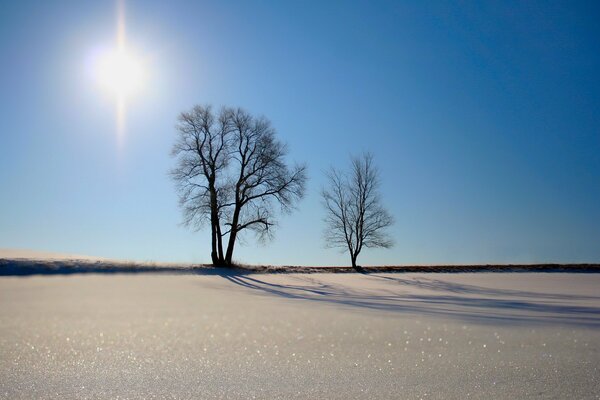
<point>355,217</point>
<point>231,171</point>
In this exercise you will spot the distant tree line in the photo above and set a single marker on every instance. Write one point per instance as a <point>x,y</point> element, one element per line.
<point>231,173</point>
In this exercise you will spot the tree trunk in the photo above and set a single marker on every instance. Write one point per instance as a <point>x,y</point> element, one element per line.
<point>220,244</point>
<point>213,253</point>
<point>216,241</point>
<point>230,246</point>
<point>354,257</point>
<point>232,236</point>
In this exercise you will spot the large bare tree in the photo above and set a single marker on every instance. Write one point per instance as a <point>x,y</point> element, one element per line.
<point>231,172</point>
<point>354,216</point>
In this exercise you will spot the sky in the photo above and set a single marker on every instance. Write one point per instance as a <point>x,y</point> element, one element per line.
<point>482,118</point>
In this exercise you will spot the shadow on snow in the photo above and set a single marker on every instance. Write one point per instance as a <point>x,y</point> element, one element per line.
<point>469,303</point>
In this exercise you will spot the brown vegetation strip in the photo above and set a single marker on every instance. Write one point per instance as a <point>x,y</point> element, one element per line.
<point>583,268</point>
<point>20,267</point>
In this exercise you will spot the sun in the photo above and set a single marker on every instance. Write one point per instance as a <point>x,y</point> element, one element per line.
<point>117,68</point>
<point>120,72</point>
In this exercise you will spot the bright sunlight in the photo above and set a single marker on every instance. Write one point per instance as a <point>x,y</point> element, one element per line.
<point>120,73</point>
<point>118,69</point>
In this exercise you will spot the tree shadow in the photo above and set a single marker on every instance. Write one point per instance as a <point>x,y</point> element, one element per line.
<point>469,303</point>
<point>454,287</point>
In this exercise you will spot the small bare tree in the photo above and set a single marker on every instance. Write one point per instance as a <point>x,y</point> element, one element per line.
<point>231,171</point>
<point>355,217</point>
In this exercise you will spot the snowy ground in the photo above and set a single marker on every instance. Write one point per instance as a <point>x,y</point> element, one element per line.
<point>408,336</point>
<point>41,255</point>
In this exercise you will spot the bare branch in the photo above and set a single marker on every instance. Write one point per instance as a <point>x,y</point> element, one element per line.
<point>354,217</point>
<point>231,170</point>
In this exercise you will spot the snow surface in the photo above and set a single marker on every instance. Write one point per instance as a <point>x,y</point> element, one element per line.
<point>339,336</point>
<point>41,255</point>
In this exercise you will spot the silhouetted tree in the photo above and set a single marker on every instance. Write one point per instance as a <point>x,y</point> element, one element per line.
<point>355,217</point>
<point>231,172</point>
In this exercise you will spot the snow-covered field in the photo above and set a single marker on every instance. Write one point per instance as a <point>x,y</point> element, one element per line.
<point>41,255</point>
<point>408,336</point>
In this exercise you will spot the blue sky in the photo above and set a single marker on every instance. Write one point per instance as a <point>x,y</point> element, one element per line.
<point>482,116</point>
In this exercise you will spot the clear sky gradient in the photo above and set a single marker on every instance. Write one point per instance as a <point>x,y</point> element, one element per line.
<point>483,118</point>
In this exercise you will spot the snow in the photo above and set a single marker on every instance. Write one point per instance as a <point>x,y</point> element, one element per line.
<point>431,336</point>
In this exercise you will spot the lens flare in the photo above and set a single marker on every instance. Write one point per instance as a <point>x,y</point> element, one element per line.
<point>119,72</point>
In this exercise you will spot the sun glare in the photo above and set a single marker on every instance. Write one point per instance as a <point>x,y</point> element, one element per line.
<point>120,72</point>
